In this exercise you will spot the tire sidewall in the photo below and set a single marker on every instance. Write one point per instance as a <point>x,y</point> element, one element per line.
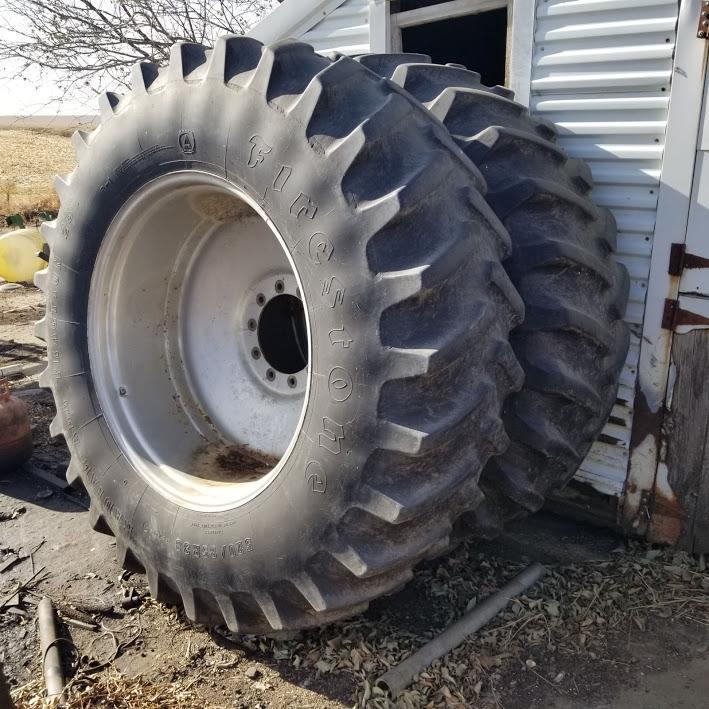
<point>267,155</point>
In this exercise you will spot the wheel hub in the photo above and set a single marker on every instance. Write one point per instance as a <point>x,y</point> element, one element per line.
<point>275,337</point>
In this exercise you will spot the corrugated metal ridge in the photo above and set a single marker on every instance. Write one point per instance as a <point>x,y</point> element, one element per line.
<point>606,28</point>
<point>573,7</point>
<point>344,30</point>
<point>602,102</point>
<point>321,32</point>
<point>587,81</point>
<point>601,71</point>
<point>658,50</point>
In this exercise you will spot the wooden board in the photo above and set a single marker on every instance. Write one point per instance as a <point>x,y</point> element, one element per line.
<point>686,430</point>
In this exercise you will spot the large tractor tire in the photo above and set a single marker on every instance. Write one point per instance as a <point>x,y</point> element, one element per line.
<point>573,342</point>
<point>277,328</point>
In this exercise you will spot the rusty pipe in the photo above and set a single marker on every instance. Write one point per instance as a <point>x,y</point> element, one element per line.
<point>51,657</point>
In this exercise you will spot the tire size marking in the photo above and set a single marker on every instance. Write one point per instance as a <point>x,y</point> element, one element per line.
<point>107,503</point>
<point>332,435</point>
<point>333,291</point>
<point>320,248</point>
<point>215,551</point>
<point>282,177</point>
<point>154,534</point>
<point>127,165</point>
<point>303,206</point>
<point>340,336</point>
<point>315,477</point>
<point>339,384</point>
<point>213,527</point>
<point>259,149</point>
<point>67,221</point>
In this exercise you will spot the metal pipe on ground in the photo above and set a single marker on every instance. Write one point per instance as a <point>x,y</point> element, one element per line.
<point>400,677</point>
<point>51,657</point>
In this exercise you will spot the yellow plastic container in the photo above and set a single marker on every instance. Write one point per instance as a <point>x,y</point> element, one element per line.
<point>18,255</point>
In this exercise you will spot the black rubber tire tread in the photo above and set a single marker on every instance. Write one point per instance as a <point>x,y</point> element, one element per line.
<point>439,309</point>
<point>573,343</point>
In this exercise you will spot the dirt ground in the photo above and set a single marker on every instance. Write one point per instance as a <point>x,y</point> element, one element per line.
<point>29,160</point>
<point>612,625</point>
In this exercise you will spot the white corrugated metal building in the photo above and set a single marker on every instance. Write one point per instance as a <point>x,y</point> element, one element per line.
<point>625,83</point>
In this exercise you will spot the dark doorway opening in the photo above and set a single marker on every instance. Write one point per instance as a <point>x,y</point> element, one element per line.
<point>477,41</point>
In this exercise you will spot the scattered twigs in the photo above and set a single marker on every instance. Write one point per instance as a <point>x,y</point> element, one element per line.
<point>118,646</point>
<point>78,623</point>
<point>593,600</point>
<point>20,587</point>
<point>32,553</point>
<point>515,631</point>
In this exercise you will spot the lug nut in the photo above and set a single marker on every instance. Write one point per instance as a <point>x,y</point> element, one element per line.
<point>292,381</point>
<point>251,324</point>
<point>260,299</point>
<point>270,375</point>
<point>279,286</point>
<point>256,353</point>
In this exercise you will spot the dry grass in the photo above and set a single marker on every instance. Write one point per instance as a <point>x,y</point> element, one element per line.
<point>29,160</point>
<point>113,690</point>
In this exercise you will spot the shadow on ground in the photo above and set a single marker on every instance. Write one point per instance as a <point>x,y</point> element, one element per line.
<point>603,629</point>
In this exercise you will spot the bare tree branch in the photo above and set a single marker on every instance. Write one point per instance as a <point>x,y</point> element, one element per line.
<point>88,44</point>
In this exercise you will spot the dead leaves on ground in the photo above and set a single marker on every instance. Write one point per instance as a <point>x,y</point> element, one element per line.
<point>575,612</point>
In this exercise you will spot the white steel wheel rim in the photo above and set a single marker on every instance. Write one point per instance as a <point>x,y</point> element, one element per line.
<point>187,301</point>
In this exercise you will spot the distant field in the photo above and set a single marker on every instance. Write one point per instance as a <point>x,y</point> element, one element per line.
<point>53,122</point>
<point>29,160</point>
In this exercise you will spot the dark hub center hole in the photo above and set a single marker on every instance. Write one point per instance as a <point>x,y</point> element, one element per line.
<point>282,335</point>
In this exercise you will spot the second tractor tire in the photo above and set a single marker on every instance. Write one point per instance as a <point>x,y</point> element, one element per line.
<point>573,342</point>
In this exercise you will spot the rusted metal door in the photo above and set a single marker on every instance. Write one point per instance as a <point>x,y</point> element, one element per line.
<point>647,472</point>
<point>679,504</point>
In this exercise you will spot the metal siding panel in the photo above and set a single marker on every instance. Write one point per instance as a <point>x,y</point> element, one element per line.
<point>704,130</point>
<point>695,280</point>
<point>601,72</point>
<point>344,30</point>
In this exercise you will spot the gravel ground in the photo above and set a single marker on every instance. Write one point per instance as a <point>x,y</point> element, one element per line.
<point>20,307</point>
